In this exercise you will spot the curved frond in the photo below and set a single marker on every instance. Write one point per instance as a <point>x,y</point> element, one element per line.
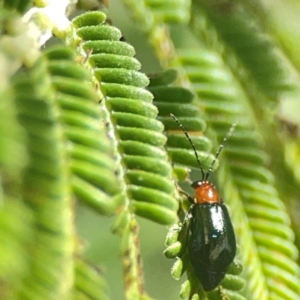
<point>266,213</point>
<point>82,122</point>
<point>132,114</point>
<point>243,35</point>
<point>91,154</point>
<point>45,188</point>
<point>180,101</point>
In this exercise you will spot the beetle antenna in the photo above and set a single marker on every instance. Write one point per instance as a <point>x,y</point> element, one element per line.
<point>192,144</point>
<point>226,138</point>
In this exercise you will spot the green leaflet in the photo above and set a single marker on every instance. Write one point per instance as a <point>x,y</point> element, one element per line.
<point>252,180</point>
<point>139,135</point>
<point>91,132</point>
<point>89,283</point>
<point>44,188</point>
<point>244,36</point>
<point>91,154</point>
<point>180,100</point>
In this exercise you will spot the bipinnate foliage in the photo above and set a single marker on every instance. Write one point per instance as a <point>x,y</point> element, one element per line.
<point>81,125</point>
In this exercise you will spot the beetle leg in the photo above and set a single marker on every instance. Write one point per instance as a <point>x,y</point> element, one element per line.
<point>186,219</point>
<point>191,199</point>
<point>222,294</point>
<point>188,215</point>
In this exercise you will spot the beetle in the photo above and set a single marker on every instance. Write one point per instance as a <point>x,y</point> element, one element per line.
<point>212,242</point>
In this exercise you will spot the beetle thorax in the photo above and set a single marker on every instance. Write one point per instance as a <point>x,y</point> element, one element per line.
<point>205,192</point>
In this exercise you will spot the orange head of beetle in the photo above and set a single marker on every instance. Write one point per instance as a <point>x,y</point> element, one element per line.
<point>205,192</point>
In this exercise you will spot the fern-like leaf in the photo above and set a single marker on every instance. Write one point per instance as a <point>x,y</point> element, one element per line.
<point>45,188</point>
<point>139,135</point>
<point>254,183</point>
<point>91,153</point>
<point>242,33</point>
<point>171,99</point>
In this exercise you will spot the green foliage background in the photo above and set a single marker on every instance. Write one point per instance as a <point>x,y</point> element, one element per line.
<point>90,156</point>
